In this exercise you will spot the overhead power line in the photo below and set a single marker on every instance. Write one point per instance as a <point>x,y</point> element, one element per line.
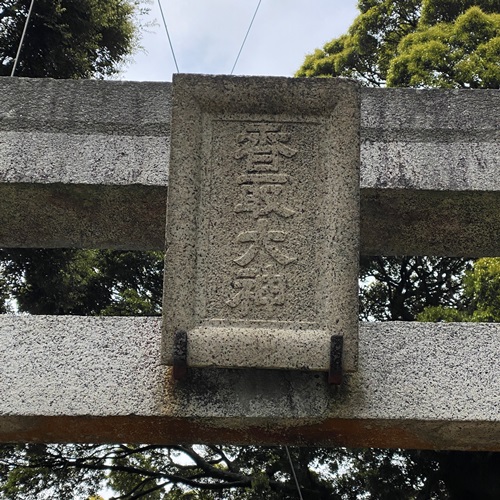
<point>168,36</point>
<point>22,38</point>
<point>246,36</point>
<point>297,485</point>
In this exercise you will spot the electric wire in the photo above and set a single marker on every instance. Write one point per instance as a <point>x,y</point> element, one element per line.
<point>168,36</point>
<point>246,36</point>
<point>22,38</point>
<point>293,472</point>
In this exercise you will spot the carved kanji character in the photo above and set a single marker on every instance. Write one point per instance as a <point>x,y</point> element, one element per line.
<point>261,195</point>
<point>260,240</point>
<point>261,144</point>
<point>244,283</point>
<point>252,289</point>
<point>270,290</point>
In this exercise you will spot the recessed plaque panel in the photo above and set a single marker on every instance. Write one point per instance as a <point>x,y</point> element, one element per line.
<point>262,224</point>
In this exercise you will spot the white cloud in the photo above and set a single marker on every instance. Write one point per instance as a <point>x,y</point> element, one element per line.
<point>207,34</point>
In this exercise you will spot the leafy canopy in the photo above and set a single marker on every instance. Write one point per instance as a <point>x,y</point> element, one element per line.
<point>94,282</point>
<point>416,43</point>
<point>481,296</point>
<point>463,53</point>
<point>67,38</point>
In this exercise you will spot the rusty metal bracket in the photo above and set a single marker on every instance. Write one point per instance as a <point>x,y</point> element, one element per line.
<point>336,348</point>
<point>180,355</point>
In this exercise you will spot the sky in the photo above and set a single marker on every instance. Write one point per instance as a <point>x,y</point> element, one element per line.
<point>207,35</point>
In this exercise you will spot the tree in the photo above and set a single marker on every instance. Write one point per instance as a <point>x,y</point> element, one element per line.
<point>397,288</point>
<point>424,43</point>
<point>84,282</point>
<point>400,288</point>
<point>74,39</point>
<point>67,38</point>
<point>481,296</point>
<point>418,43</point>
<point>463,53</point>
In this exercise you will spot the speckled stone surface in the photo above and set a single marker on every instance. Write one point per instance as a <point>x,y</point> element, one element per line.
<point>263,217</point>
<point>84,132</point>
<point>85,163</point>
<point>418,385</point>
<point>429,172</point>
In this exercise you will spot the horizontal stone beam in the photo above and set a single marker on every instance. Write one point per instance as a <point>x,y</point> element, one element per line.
<point>88,379</point>
<point>428,181</point>
<point>85,164</point>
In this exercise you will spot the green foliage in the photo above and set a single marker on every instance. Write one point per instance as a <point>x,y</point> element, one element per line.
<point>422,43</point>
<point>75,39</point>
<point>436,314</point>
<point>35,471</point>
<point>392,475</point>
<point>5,293</point>
<point>400,288</point>
<point>370,44</point>
<point>429,43</point>
<point>67,38</point>
<point>403,42</point>
<point>482,287</point>
<point>446,11</point>
<point>84,282</point>
<point>463,53</point>
<point>481,296</point>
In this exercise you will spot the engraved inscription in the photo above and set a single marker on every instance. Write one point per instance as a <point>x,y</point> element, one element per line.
<point>261,228</point>
<point>263,240</point>
<point>262,197</point>
<point>263,217</point>
<point>261,145</point>
<point>259,288</point>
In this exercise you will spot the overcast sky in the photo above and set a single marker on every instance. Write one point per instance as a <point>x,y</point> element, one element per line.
<point>207,35</point>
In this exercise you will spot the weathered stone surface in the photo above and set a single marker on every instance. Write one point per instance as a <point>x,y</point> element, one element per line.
<point>84,132</point>
<point>83,163</point>
<point>263,216</point>
<point>438,140</point>
<point>267,348</point>
<point>429,183</point>
<point>418,385</point>
<point>429,158</point>
<point>72,177</point>
<point>82,216</point>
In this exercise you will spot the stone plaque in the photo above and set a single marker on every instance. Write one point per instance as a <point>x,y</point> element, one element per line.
<point>263,221</point>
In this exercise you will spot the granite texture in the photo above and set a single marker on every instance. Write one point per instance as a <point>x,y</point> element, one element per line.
<point>263,214</point>
<point>83,163</point>
<point>444,140</point>
<point>84,132</point>
<point>429,183</point>
<point>418,385</point>
<point>429,162</point>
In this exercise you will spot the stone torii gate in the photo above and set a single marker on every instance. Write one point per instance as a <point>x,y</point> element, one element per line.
<point>85,164</point>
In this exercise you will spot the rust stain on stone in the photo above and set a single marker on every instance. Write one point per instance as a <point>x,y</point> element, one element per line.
<point>168,430</point>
